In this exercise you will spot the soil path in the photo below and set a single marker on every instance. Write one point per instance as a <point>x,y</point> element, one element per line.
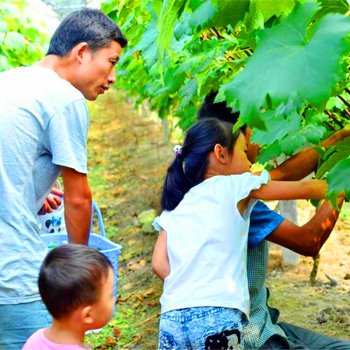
<point>128,159</point>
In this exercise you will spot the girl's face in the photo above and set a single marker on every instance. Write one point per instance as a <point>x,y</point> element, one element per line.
<point>239,161</point>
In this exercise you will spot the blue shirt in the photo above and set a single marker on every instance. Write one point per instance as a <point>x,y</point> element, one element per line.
<point>263,221</point>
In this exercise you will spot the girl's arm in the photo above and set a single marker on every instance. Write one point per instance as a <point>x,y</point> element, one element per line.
<point>160,260</point>
<point>279,190</point>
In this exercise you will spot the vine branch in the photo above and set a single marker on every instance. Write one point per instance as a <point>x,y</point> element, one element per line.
<point>334,118</point>
<point>344,100</point>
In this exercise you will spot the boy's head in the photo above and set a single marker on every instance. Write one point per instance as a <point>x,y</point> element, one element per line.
<point>219,110</point>
<point>78,280</point>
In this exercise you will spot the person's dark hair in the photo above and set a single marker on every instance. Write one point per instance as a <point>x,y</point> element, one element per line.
<point>219,110</point>
<point>191,162</point>
<point>87,25</point>
<point>72,276</point>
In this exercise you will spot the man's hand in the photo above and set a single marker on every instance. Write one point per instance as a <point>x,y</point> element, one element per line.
<point>52,201</point>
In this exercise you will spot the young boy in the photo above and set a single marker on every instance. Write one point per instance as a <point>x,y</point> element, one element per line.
<point>76,285</point>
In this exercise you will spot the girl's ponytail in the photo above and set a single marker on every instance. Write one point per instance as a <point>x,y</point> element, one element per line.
<point>176,184</point>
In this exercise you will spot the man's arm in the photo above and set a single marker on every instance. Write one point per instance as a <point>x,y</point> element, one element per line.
<point>305,162</point>
<point>307,239</point>
<point>77,205</point>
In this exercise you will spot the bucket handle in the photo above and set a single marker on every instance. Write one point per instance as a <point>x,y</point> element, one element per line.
<point>101,226</point>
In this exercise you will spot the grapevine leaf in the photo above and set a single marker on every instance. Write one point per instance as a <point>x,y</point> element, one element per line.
<point>287,61</point>
<point>269,9</point>
<point>188,91</point>
<point>146,45</point>
<point>278,128</point>
<point>338,178</point>
<point>260,11</point>
<point>171,10</point>
<point>173,79</point>
<point>109,6</point>
<point>339,152</point>
<point>330,163</point>
<point>230,12</point>
<point>313,133</point>
<point>196,20</point>
<point>272,151</point>
<point>187,116</point>
<point>292,142</point>
<point>331,6</point>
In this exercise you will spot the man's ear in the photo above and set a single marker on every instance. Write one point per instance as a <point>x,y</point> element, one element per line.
<point>220,153</point>
<point>80,51</point>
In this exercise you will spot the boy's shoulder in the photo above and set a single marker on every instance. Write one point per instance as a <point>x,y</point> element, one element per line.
<point>38,341</point>
<point>34,341</point>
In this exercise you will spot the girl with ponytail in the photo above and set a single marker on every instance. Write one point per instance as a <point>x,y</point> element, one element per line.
<point>200,253</point>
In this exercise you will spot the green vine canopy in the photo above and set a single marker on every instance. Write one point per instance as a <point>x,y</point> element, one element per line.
<point>283,64</point>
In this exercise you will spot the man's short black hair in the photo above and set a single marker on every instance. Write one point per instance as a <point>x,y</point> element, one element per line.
<point>87,25</point>
<point>71,276</point>
<point>219,110</point>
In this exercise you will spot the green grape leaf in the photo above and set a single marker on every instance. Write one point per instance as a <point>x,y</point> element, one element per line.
<point>287,64</point>
<point>331,6</point>
<point>195,20</point>
<point>279,126</point>
<point>272,151</point>
<point>269,9</point>
<point>108,6</point>
<point>146,45</point>
<point>260,11</point>
<point>292,143</point>
<point>188,91</point>
<point>229,12</point>
<point>314,133</point>
<point>338,178</point>
<point>337,153</point>
<point>170,12</point>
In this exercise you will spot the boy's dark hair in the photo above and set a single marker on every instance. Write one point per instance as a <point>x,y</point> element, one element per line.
<point>219,110</point>
<point>87,25</point>
<point>71,276</point>
<point>189,167</point>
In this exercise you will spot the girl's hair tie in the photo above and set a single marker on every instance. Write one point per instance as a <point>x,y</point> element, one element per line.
<point>178,151</point>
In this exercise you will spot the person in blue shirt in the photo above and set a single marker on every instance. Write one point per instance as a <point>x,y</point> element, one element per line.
<point>263,330</point>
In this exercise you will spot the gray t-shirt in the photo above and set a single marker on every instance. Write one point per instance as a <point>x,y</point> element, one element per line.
<point>43,125</point>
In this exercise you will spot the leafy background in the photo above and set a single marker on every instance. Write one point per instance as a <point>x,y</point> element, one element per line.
<point>282,64</point>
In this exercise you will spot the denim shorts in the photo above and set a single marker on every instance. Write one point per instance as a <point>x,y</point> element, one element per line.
<point>201,328</point>
<point>19,321</point>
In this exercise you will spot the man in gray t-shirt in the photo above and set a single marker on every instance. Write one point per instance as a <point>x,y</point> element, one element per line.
<point>44,124</point>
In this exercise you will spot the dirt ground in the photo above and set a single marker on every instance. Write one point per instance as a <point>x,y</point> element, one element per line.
<point>128,159</point>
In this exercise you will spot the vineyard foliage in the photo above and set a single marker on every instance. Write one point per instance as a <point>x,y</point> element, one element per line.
<point>22,40</point>
<point>282,64</point>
